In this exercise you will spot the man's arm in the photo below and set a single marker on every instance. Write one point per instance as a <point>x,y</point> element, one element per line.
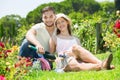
<point>30,36</point>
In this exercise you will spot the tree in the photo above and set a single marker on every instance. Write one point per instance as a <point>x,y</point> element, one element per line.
<point>117,4</point>
<point>89,6</point>
<point>9,25</point>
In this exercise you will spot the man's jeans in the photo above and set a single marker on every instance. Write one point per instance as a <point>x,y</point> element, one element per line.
<point>25,51</point>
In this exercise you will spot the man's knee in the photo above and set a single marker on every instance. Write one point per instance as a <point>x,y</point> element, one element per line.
<point>25,51</point>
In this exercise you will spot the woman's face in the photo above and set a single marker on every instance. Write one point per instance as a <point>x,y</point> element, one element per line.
<point>62,24</point>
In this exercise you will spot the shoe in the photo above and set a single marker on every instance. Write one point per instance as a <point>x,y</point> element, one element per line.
<point>106,63</point>
<point>109,60</point>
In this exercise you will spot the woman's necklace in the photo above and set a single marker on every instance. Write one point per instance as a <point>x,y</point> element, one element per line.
<point>65,36</point>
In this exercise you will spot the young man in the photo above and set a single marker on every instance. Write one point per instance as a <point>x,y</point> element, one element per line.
<point>39,35</point>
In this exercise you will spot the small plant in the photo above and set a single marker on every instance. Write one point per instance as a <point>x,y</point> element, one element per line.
<point>22,67</point>
<point>3,59</point>
<point>112,42</point>
<point>10,66</point>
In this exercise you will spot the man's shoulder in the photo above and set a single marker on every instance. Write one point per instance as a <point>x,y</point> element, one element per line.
<point>39,25</point>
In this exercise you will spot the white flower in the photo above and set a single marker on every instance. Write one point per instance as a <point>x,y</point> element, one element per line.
<point>36,65</point>
<point>76,26</point>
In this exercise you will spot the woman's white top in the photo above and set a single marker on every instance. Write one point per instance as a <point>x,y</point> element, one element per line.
<point>65,44</point>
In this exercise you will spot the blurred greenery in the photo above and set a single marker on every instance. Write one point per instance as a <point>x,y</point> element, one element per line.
<point>85,14</point>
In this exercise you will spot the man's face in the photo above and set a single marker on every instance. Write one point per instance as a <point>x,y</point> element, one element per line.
<point>48,18</point>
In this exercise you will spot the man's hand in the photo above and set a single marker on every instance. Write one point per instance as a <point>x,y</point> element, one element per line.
<point>40,49</point>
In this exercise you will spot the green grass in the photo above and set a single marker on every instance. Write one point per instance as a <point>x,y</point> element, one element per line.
<point>82,75</point>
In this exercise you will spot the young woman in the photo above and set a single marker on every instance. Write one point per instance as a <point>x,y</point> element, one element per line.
<point>64,43</point>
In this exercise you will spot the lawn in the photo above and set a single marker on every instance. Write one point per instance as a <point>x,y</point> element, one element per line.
<point>82,75</point>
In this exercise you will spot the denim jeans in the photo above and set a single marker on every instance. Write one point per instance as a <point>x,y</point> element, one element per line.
<point>25,51</point>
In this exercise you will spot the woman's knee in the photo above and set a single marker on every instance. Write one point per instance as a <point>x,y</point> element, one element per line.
<point>76,51</point>
<point>75,48</point>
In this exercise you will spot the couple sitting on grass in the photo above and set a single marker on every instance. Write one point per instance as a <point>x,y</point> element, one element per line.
<point>56,30</point>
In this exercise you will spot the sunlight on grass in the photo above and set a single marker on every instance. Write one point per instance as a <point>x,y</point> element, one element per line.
<point>82,75</point>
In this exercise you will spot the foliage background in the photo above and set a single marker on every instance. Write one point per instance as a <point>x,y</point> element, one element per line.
<point>85,15</point>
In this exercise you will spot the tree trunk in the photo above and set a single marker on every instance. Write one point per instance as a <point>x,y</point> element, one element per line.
<point>117,4</point>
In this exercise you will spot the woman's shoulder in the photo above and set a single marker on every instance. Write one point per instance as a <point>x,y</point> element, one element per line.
<point>54,38</point>
<point>77,39</point>
<point>74,37</point>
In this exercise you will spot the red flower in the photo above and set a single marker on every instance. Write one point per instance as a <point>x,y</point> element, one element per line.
<point>23,61</point>
<point>28,59</point>
<point>17,65</point>
<point>6,51</point>
<point>116,28</point>
<point>28,64</point>
<point>2,45</point>
<point>117,24</point>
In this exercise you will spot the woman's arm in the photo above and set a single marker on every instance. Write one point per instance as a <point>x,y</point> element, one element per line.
<point>52,45</point>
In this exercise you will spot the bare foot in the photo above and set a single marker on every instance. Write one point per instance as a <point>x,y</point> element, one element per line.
<point>112,67</point>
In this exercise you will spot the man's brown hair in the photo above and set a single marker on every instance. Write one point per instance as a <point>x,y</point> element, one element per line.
<point>48,8</point>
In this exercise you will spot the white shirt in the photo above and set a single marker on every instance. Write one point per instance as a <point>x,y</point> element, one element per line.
<point>64,44</point>
<point>42,35</point>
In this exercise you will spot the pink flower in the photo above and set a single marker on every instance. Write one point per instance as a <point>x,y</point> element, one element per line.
<point>2,77</point>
